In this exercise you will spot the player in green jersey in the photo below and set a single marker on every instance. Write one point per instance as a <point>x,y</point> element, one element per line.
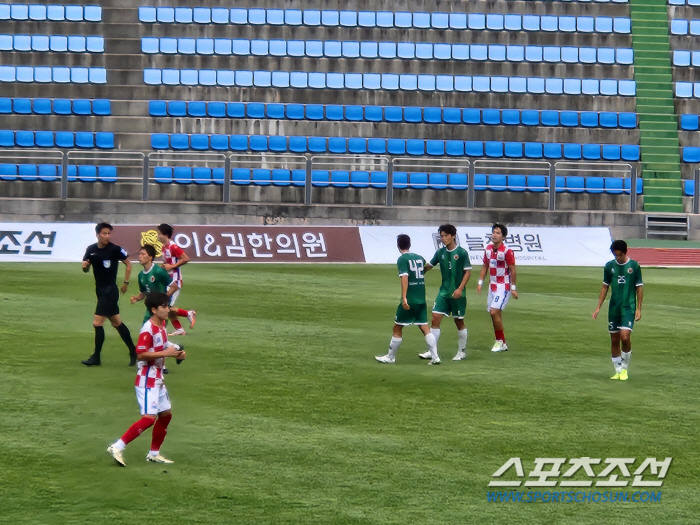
<point>624,276</point>
<point>152,278</point>
<point>412,309</point>
<point>456,268</point>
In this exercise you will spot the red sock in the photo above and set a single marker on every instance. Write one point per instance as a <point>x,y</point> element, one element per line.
<point>181,312</point>
<point>159,431</point>
<point>135,430</point>
<point>499,335</point>
<point>176,324</point>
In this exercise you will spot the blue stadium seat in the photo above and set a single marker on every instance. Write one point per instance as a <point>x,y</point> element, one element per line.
<point>629,152</point>
<point>104,140</point>
<point>101,107</point>
<point>281,177</point>
<point>517,182</point>
<point>337,145</point>
<point>396,146</point>
<point>400,180</point>
<point>6,106</point>
<point>7,138</point>
<point>318,145</point>
<point>261,177</point>
<point>691,154</point>
<point>340,178</point>
<point>359,179</point>
<point>277,143</point>
<point>238,142</point>
<point>393,114</point>
<point>199,142</point>
<point>480,182</point>
<point>82,107</point>
<point>591,151</point>
<point>569,119</point>
<point>435,148</point>
<point>471,116</point>
<point>613,185</point>
<point>334,112</point>
<point>62,106</point>
<point>24,139</point>
<point>639,186</point>
<point>47,172</point>
<point>437,181</point>
<point>65,139</point>
<point>452,115</point>
<point>8,171</point>
<point>376,146</point>
<point>27,172</point>
<point>182,175</point>
<point>627,120</point>
<point>474,148</point>
<point>240,176</point>
<point>689,188</point>
<point>44,139</point>
<point>314,111</point>
<point>552,151</point>
<point>608,119</point>
<point>22,106</point>
<point>537,183</point>
<point>491,116</point>
<point>454,148</point>
<point>530,117</point>
<point>87,173</point>
<point>418,180</point>
<point>513,150</point>
<point>357,145</point>
<point>163,174</point>
<point>219,142</point>
<point>378,179</point>
<point>415,147</point>
<point>572,151</point>
<point>179,141</point>
<point>216,109</point>
<point>493,149</point>
<point>458,181</point>
<point>107,173</point>
<point>320,178</point>
<point>235,109</point>
<point>689,122</point>
<point>510,117</point>
<point>197,109</point>
<point>611,152</point>
<point>354,113</point>
<point>177,108</point>
<point>432,115</point>
<point>297,144</point>
<point>595,184</point>
<point>159,141</point>
<point>549,117</point>
<point>575,184</point>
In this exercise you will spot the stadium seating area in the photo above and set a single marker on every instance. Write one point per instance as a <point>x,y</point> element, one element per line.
<point>53,43</point>
<point>51,12</point>
<point>56,139</point>
<point>59,106</point>
<point>57,74</point>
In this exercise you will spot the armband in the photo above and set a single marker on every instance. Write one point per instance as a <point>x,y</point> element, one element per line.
<point>513,287</point>
<point>480,282</point>
<point>126,282</point>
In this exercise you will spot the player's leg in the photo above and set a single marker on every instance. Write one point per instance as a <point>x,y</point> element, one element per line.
<point>161,427</point>
<point>401,319</point>
<point>421,321</point>
<point>440,310</point>
<point>147,399</point>
<point>626,327</point>
<point>173,316</point>
<point>497,302</point>
<point>125,334</point>
<point>98,322</point>
<point>459,309</point>
<point>614,322</point>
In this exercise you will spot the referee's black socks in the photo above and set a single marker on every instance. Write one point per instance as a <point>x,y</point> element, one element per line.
<point>126,337</point>
<point>99,340</point>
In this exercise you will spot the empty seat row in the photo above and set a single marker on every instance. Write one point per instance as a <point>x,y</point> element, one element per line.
<point>689,188</point>
<point>56,139</point>
<point>387,50</point>
<point>684,2</point>
<point>682,58</point>
<point>57,13</point>
<point>57,74</point>
<point>58,106</point>
<point>56,43</point>
<point>682,26</point>
<point>410,114</point>
<point>385,19</point>
<point>688,89</point>
<point>52,172</point>
<point>691,154</point>
<point>381,146</point>
<point>689,122</point>
<point>389,81</point>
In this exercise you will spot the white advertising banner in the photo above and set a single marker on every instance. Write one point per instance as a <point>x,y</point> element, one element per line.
<point>44,242</point>
<point>532,245</point>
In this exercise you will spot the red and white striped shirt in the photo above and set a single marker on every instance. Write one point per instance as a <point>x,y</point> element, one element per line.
<point>171,254</point>
<point>152,338</point>
<point>498,261</point>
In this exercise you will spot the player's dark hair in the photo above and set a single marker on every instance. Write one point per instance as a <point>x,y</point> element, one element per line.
<point>150,250</point>
<point>448,229</point>
<point>102,225</point>
<point>403,241</point>
<point>619,245</point>
<point>504,230</point>
<point>166,230</point>
<point>154,300</point>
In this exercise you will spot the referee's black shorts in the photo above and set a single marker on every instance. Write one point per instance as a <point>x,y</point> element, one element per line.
<point>107,301</point>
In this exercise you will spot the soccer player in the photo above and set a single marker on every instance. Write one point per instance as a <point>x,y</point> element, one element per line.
<point>499,261</point>
<point>412,309</point>
<point>152,278</point>
<point>175,257</point>
<point>104,257</point>
<point>456,269</point>
<point>151,394</point>
<point>624,275</point>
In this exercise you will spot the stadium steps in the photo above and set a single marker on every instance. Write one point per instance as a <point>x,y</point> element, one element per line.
<point>659,146</point>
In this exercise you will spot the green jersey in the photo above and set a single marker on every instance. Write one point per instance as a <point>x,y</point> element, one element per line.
<point>453,265</point>
<point>413,266</point>
<point>623,280</point>
<point>154,280</point>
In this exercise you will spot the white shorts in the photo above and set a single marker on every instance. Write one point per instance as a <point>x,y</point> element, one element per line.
<point>497,300</point>
<point>173,297</point>
<point>153,401</point>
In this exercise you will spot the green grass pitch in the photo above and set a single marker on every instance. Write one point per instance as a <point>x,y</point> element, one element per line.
<point>282,416</point>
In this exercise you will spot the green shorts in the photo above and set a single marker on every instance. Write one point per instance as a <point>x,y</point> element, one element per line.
<point>450,307</point>
<point>620,319</point>
<point>418,314</point>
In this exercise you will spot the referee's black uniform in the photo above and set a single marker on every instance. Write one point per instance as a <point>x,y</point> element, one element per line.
<point>105,266</point>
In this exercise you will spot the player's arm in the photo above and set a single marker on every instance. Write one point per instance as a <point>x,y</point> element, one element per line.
<point>145,343</point>
<point>182,258</point>
<point>86,262</point>
<point>136,298</point>
<point>482,274</point>
<point>513,280</point>
<point>460,289</point>
<point>171,289</point>
<point>640,296</point>
<point>601,299</point>
<point>127,275</point>
<point>404,291</point>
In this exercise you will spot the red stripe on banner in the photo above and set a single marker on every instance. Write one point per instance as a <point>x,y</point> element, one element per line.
<point>665,256</point>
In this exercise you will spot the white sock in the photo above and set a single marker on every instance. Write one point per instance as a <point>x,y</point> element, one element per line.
<point>626,356</point>
<point>617,363</point>
<point>153,453</point>
<point>462,340</point>
<point>119,445</point>
<point>432,345</point>
<point>394,346</point>
<point>436,333</point>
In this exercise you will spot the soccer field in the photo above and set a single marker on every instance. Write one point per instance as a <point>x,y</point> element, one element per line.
<point>282,416</point>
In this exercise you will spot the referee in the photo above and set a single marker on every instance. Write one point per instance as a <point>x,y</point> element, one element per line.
<point>104,257</point>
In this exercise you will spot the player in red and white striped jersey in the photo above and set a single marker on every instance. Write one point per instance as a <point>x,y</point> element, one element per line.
<point>174,258</point>
<point>499,262</point>
<point>152,396</point>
